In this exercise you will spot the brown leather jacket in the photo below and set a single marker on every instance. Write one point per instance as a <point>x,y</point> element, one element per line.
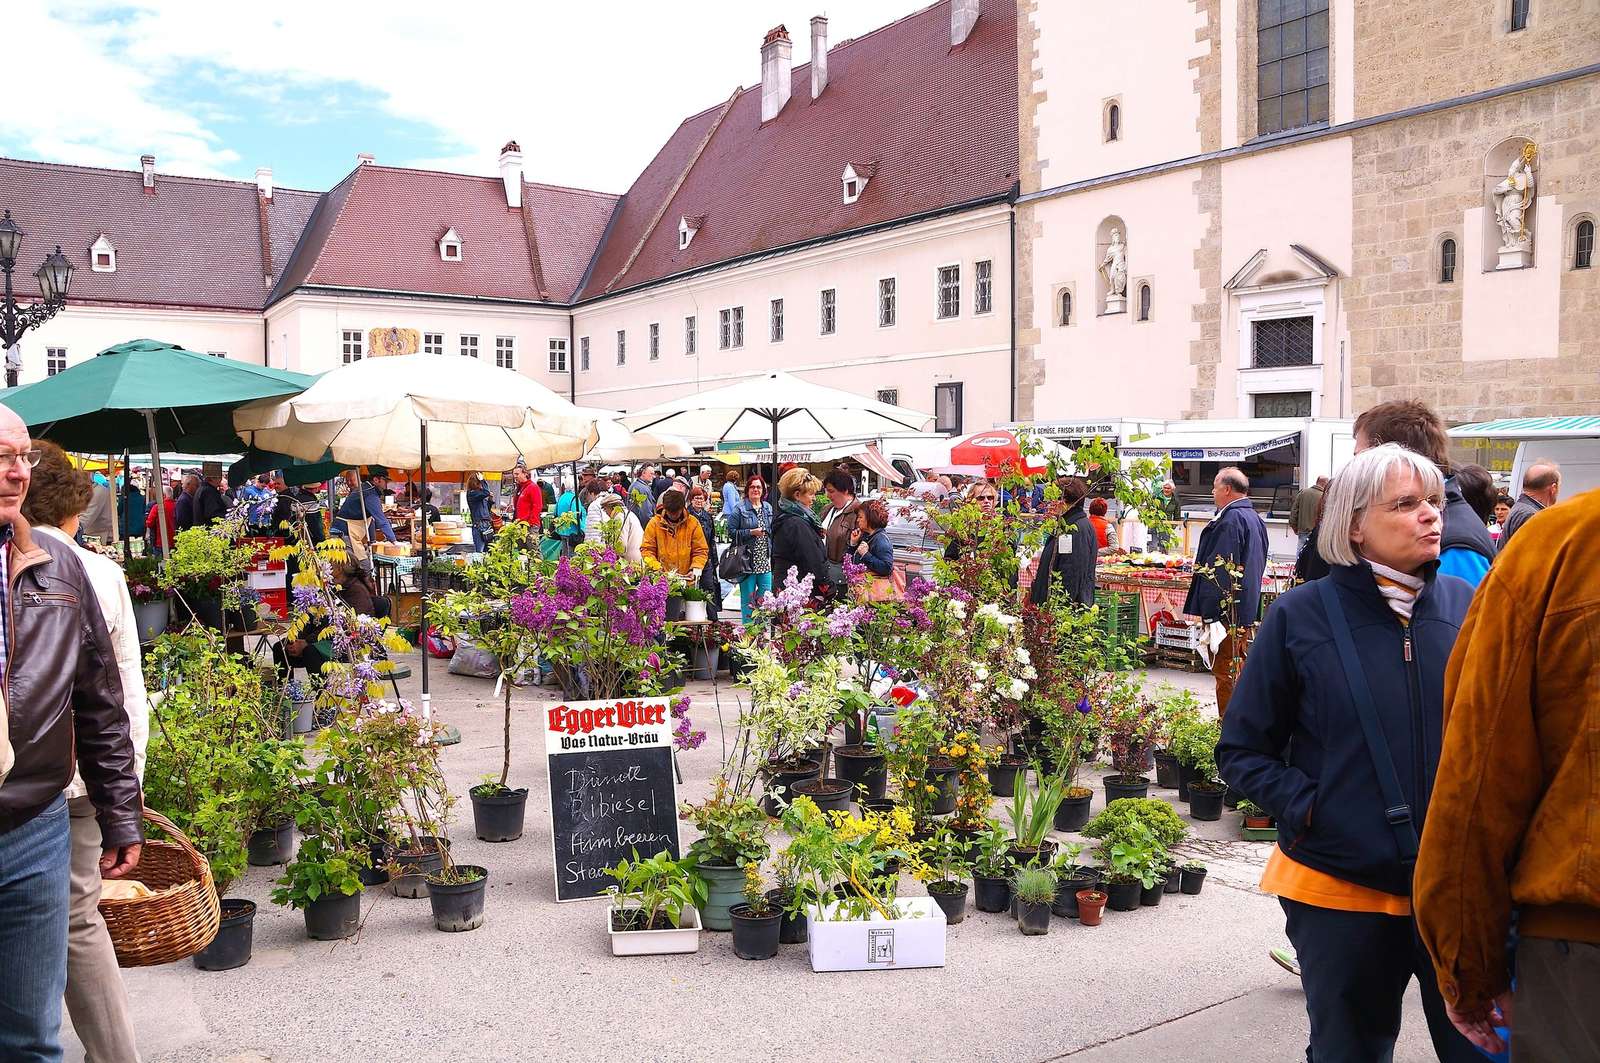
<point>837,537</point>
<point>64,693</point>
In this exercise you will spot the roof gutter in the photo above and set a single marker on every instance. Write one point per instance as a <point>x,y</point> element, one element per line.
<point>388,293</point>
<point>1013,216</point>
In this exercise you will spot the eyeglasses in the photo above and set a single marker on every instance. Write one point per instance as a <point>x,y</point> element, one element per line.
<point>1409,503</point>
<point>30,458</point>
<point>983,498</point>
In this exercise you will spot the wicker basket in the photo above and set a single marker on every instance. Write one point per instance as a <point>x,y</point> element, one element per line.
<point>182,917</point>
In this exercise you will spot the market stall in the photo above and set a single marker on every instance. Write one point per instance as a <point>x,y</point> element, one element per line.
<point>1162,582</point>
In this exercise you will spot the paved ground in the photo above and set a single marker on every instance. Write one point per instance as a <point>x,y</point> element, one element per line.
<point>1187,980</point>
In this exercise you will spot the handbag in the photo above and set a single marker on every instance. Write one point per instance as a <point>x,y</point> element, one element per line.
<point>496,522</point>
<point>890,588</point>
<point>734,565</point>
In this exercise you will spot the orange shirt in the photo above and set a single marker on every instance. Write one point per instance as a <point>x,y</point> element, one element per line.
<point>1289,878</point>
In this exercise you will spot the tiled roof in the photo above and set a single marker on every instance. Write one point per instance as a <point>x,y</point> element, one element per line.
<point>939,124</point>
<point>378,229</point>
<point>195,242</point>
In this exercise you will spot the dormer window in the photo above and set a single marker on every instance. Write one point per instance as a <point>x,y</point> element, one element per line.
<point>102,256</point>
<point>855,178</point>
<point>450,246</point>
<point>687,227</point>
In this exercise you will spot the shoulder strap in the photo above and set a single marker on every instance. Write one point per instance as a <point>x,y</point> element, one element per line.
<point>1398,812</point>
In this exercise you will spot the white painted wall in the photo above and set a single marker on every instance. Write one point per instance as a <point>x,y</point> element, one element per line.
<point>87,330</point>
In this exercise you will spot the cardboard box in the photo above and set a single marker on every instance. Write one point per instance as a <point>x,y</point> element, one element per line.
<point>916,939</point>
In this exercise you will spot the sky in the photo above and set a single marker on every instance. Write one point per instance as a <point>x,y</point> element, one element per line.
<point>590,90</point>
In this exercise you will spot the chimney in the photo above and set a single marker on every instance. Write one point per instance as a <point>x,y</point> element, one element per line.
<point>264,182</point>
<point>147,163</point>
<point>775,53</point>
<point>819,55</point>
<point>963,16</point>
<point>511,173</point>
<point>365,158</point>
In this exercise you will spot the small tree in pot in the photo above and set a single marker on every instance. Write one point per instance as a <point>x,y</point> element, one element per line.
<point>943,866</point>
<point>1127,729</point>
<point>1195,746</point>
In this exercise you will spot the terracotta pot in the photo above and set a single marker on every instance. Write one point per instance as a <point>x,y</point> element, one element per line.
<point>1091,906</point>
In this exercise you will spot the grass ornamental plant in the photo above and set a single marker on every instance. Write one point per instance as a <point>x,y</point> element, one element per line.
<point>1034,885</point>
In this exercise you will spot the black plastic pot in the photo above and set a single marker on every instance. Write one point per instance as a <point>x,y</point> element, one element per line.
<point>1205,801</point>
<point>1003,775</point>
<point>951,899</point>
<point>755,937</point>
<point>205,611</point>
<point>1120,786</point>
<point>829,795</point>
<point>378,873</point>
<point>967,839</point>
<point>458,905</point>
<point>231,947</point>
<point>1166,770</point>
<point>991,894</point>
<point>1033,917</point>
<point>1073,812</point>
<point>878,804</point>
<point>415,867</point>
<point>331,918</point>
<point>271,845</point>
<point>1193,879</point>
<point>792,929</point>
<point>1122,896</point>
<point>864,767</point>
<point>852,730</point>
<point>947,778</point>
<point>1173,880</point>
<point>1151,897</point>
<point>780,780</point>
<point>1067,887</point>
<point>1185,777</point>
<point>1039,857</point>
<point>497,817</point>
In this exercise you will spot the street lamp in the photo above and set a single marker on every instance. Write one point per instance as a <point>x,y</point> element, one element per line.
<point>54,277</point>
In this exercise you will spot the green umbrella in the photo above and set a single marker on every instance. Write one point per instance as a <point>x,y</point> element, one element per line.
<point>295,472</point>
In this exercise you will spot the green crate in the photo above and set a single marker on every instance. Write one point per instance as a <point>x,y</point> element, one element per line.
<point>1119,612</point>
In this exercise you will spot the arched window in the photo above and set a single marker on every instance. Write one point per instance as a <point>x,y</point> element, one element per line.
<point>1113,122</point>
<point>1066,308</point>
<point>1583,245</point>
<point>1144,302</point>
<point>1447,261</point>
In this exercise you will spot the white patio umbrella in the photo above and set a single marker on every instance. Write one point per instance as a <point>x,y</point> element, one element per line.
<point>421,411</point>
<point>620,443</point>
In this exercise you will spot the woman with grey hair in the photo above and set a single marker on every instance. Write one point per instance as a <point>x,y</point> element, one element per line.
<point>1335,729</point>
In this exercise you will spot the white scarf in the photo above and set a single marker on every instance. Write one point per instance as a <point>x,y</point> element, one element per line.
<point>1398,589</point>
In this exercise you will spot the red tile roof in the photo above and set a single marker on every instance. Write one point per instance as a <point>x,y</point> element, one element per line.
<point>194,242</point>
<point>939,124</point>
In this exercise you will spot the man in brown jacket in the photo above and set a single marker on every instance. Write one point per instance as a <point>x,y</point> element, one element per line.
<point>1513,819</point>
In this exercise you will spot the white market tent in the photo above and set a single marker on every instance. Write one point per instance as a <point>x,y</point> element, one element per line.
<point>1576,427</point>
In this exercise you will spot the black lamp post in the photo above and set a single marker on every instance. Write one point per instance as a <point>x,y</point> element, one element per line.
<point>54,277</point>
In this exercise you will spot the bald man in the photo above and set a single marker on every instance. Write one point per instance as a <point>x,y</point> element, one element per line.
<point>1540,486</point>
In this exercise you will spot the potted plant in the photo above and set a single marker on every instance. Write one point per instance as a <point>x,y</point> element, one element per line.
<point>694,605</point>
<point>1197,747</point>
<point>862,762</point>
<point>1126,726</point>
<point>456,893</point>
<point>1193,877</point>
<point>1255,817</point>
<point>918,734</point>
<point>1091,906</point>
<point>1035,890</point>
<point>757,922</point>
<point>733,833</point>
<point>1170,705</point>
<point>991,873</point>
<point>1070,735</point>
<point>152,610</point>
<point>944,857</point>
<point>792,893</point>
<point>201,563</point>
<point>276,770</point>
<point>1151,813</point>
<point>1071,878</point>
<point>1032,816</point>
<point>1181,731</point>
<point>790,708</point>
<point>301,694</point>
<point>706,642</point>
<point>1134,859</point>
<point>321,881</point>
<point>654,906</point>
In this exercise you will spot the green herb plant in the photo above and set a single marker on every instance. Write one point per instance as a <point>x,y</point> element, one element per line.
<point>653,893</point>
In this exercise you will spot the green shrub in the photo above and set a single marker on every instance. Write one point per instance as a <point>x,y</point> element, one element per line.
<point>1150,812</point>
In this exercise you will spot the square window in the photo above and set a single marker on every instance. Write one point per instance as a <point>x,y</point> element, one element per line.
<point>655,341</point>
<point>775,322</point>
<point>949,295</point>
<point>433,343</point>
<point>983,288</point>
<point>829,311</point>
<point>558,355</point>
<point>1281,343</point>
<point>350,345</point>
<point>505,352</point>
<point>886,300</point>
<point>469,346</point>
<point>55,360</point>
<point>691,334</point>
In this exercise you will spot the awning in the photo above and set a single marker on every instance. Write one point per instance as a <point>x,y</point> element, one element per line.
<point>1577,427</point>
<point>1202,444</point>
<point>866,453</point>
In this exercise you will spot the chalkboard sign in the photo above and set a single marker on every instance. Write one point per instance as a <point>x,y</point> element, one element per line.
<point>612,788</point>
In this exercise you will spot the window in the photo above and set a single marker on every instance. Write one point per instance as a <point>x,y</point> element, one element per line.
<point>947,408</point>
<point>55,360</point>
<point>433,343</point>
<point>1281,404</point>
<point>583,354</point>
<point>691,334</point>
<point>469,346</point>
<point>829,311</point>
<point>558,356</point>
<point>852,191</point>
<point>505,352</point>
<point>1280,343</point>
<point>1113,122</point>
<point>889,395</point>
<point>1064,310</point>
<point>775,322</point>
<point>886,302</point>
<point>1144,302</point>
<point>1291,64</point>
<point>949,300</point>
<point>655,341</point>
<point>731,332</point>
<point>102,256</point>
<point>1519,15</point>
<point>983,287</point>
<point>738,326</point>
<point>622,346</point>
<point>450,246</point>
<point>218,354</point>
<point>350,345</point>
<point>1447,262</point>
<point>1583,245</point>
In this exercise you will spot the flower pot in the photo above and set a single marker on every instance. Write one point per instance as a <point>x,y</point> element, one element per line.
<point>695,612</point>
<point>305,716</point>
<point>755,937</point>
<point>1033,917</point>
<point>1073,811</point>
<point>913,936</point>
<point>724,889</point>
<point>703,658</point>
<point>1091,905</point>
<point>1122,896</point>
<point>991,893</point>
<point>881,805</point>
<point>206,612</point>
<point>458,906</point>
<point>685,938</point>
<point>852,730</point>
<point>862,766</point>
<point>829,795</point>
<point>792,928</point>
<point>378,873</point>
<point>1173,880</point>
<point>779,780</point>
<point>1150,896</point>
<point>1192,881</point>
<point>497,816</point>
<point>1185,777</point>
<point>231,947</point>
<point>242,619</point>
<point>1003,775</point>
<point>1259,822</point>
<point>1022,856</point>
<point>1166,770</point>
<point>1205,801</point>
<point>151,619</point>
<point>951,897</point>
<point>333,917</point>
<point>1067,889</point>
<point>1120,786</point>
<point>415,867</point>
<point>271,845</point>
<point>674,608</point>
<point>947,778</point>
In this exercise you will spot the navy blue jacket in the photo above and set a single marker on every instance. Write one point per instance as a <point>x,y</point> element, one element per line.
<point>1076,568</point>
<point>1291,741</point>
<point>1237,534</point>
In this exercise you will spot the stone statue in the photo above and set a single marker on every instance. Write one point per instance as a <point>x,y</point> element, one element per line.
<point>1115,267</point>
<point>1512,199</point>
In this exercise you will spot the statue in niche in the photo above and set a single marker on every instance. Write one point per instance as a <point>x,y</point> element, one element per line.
<point>1513,198</point>
<point>1114,265</point>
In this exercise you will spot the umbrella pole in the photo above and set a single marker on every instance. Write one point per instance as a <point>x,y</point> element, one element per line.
<point>162,531</point>
<point>772,485</point>
<point>122,506</point>
<point>422,608</point>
